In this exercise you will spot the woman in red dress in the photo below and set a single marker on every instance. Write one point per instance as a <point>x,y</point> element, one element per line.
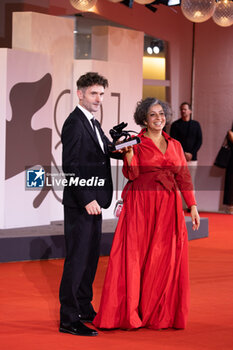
<point>146,283</point>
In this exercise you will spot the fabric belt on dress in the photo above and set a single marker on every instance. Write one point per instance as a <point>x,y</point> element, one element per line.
<point>162,175</point>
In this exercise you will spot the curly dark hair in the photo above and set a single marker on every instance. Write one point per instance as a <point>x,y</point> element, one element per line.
<point>90,79</point>
<point>143,107</point>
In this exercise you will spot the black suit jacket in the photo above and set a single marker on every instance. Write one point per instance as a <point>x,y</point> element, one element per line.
<point>188,134</point>
<point>83,157</point>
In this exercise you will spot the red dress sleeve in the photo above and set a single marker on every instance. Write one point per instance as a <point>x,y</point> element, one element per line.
<point>183,179</point>
<point>131,171</point>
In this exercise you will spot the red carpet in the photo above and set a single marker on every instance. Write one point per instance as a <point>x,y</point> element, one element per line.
<point>29,308</point>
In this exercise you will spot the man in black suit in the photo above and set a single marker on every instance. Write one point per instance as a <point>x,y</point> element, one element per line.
<point>86,156</point>
<point>188,132</point>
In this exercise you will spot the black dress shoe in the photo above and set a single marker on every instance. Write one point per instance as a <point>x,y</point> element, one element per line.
<point>77,328</point>
<point>87,317</point>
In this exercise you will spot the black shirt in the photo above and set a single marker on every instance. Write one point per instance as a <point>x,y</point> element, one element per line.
<point>188,134</point>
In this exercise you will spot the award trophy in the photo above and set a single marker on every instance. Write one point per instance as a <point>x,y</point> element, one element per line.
<point>117,133</point>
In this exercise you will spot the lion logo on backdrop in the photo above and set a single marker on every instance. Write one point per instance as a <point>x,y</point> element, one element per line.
<point>26,147</point>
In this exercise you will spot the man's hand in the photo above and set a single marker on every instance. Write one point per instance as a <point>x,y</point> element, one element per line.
<point>188,156</point>
<point>93,208</point>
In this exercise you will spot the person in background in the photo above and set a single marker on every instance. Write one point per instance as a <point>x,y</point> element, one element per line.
<point>147,283</point>
<point>228,186</point>
<point>188,133</point>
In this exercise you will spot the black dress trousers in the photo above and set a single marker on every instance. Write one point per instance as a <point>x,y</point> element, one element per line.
<point>82,240</point>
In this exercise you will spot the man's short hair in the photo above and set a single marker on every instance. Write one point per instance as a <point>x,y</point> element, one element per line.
<point>90,79</point>
<point>186,103</point>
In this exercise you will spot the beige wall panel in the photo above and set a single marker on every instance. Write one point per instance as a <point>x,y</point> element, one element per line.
<point>28,136</point>
<point>52,36</point>
<point>213,103</point>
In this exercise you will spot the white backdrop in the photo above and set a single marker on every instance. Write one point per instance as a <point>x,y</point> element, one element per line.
<point>43,50</point>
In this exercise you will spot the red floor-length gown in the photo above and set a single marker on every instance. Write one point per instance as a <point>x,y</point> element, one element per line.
<point>146,283</point>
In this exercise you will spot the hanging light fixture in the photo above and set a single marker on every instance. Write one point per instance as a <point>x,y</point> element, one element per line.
<point>198,10</point>
<point>83,5</point>
<point>144,2</point>
<point>223,14</point>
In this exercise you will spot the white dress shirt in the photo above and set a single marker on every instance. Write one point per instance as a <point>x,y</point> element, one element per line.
<point>90,116</point>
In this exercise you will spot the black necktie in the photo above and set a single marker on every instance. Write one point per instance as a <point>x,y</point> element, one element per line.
<point>93,122</point>
<point>94,128</point>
